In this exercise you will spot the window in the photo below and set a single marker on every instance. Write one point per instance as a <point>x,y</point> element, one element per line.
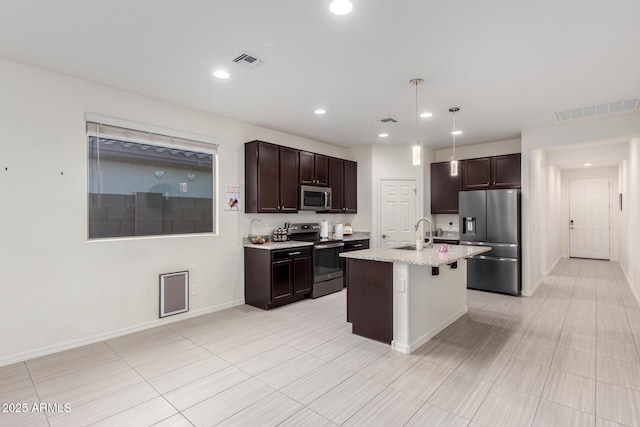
<point>143,183</point>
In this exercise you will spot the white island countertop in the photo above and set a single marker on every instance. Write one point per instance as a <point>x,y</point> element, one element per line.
<point>427,256</point>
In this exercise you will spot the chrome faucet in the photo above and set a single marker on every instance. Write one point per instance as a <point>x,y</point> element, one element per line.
<point>251,226</point>
<point>430,244</point>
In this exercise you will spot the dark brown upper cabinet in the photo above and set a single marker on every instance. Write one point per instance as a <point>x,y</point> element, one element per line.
<point>483,173</point>
<point>505,171</point>
<point>314,169</point>
<point>271,173</point>
<point>343,180</point>
<point>444,189</point>
<point>492,172</point>
<point>350,186</point>
<point>476,174</point>
<point>336,182</point>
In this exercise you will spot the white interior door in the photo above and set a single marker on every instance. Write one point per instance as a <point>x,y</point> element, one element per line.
<point>589,218</point>
<point>397,212</point>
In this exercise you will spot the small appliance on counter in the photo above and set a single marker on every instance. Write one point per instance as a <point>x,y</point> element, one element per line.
<point>338,231</point>
<point>348,231</point>
<point>324,230</point>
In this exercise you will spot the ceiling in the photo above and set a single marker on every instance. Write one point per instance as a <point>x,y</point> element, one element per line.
<point>508,65</point>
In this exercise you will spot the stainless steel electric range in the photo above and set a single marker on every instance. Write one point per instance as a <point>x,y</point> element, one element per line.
<point>327,264</point>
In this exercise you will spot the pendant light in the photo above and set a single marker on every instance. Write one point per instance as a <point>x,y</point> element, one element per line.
<point>454,132</point>
<point>417,149</point>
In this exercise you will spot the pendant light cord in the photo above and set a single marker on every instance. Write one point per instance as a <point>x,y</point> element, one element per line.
<point>416,114</point>
<point>454,135</point>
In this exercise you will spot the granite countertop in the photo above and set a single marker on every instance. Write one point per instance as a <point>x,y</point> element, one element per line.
<point>357,235</point>
<point>278,245</point>
<point>428,256</point>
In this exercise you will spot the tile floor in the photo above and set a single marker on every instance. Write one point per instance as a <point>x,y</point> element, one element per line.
<point>566,357</point>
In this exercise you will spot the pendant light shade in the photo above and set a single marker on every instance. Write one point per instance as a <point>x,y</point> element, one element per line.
<point>417,155</point>
<point>417,148</point>
<point>454,132</point>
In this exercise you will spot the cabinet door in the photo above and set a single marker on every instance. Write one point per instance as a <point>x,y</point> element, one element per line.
<point>505,171</point>
<point>307,168</point>
<point>321,170</point>
<point>281,279</point>
<point>302,275</point>
<point>288,180</point>
<point>444,189</point>
<point>268,177</point>
<point>350,186</point>
<point>476,174</point>
<point>336,182</point>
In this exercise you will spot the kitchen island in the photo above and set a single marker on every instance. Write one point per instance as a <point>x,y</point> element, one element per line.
<point>406,297</point>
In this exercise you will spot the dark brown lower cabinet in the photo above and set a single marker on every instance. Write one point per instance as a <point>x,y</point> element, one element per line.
<point>370,298</point>
<point>277,277</point>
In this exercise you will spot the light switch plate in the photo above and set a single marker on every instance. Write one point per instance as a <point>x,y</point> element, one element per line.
<point>401,285</point>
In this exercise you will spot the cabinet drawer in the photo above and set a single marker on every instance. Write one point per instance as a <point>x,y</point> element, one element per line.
<point>356,245</point>
<point>304,251</point>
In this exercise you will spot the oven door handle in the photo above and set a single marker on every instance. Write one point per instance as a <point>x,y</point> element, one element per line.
<point>329,245</point>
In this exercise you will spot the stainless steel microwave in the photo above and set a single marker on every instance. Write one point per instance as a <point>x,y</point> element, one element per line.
<point>315,198</point>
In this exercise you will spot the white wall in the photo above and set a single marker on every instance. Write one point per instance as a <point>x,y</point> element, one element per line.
<point>631,213</point>
<point>58,289</point>
<point>575,134</point>
<point>554,219</point>
<point>497,148</point>
<point>623,227</point>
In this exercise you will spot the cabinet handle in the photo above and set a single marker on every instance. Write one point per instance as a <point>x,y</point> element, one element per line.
<point>294,253</point>
<point>278,207</point>
<point>357,246</point>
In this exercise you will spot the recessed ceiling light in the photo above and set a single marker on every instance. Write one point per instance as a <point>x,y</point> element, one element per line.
<point>340,7</point>
<point>383,135</point>
<point>221,74</point>
<point>456,132</point>
<point>587,164</point>
<point>320,111</point>
<point>425,115</point>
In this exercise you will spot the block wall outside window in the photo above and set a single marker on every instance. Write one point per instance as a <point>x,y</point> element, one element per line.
<point>144,184</point>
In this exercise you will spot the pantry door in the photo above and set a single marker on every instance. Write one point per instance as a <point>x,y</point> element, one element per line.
<point>397,212</point>
<point>589,208</point>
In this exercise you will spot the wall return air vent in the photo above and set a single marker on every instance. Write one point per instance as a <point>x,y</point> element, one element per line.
<point>249,61</point>
<point>599,110</point>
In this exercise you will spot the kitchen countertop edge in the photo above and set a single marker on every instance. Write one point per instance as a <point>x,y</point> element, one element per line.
<point>427,257</point>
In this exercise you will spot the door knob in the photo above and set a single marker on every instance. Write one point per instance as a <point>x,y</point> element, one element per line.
<point>384,236</point>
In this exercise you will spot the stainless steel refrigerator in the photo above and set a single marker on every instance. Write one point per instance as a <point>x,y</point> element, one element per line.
<point>492,218</point>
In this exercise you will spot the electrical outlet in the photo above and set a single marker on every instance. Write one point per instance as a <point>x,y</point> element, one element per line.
<point>194,290</point>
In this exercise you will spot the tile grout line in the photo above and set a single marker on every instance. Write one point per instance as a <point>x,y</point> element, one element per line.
<point>33,384</point>
<point>555,351</point>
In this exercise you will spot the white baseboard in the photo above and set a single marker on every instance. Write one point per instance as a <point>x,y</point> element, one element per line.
<point>44,351</point>
<point>408,349</point>
<point>631,287</point>
<point>539,282</point>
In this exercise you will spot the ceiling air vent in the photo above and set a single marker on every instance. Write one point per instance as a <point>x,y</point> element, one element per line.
<point>599,110</point>
<point>386,121</point>
<point>247,60</point>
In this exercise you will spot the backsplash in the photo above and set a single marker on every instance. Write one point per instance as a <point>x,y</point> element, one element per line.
<point>442,221</point>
